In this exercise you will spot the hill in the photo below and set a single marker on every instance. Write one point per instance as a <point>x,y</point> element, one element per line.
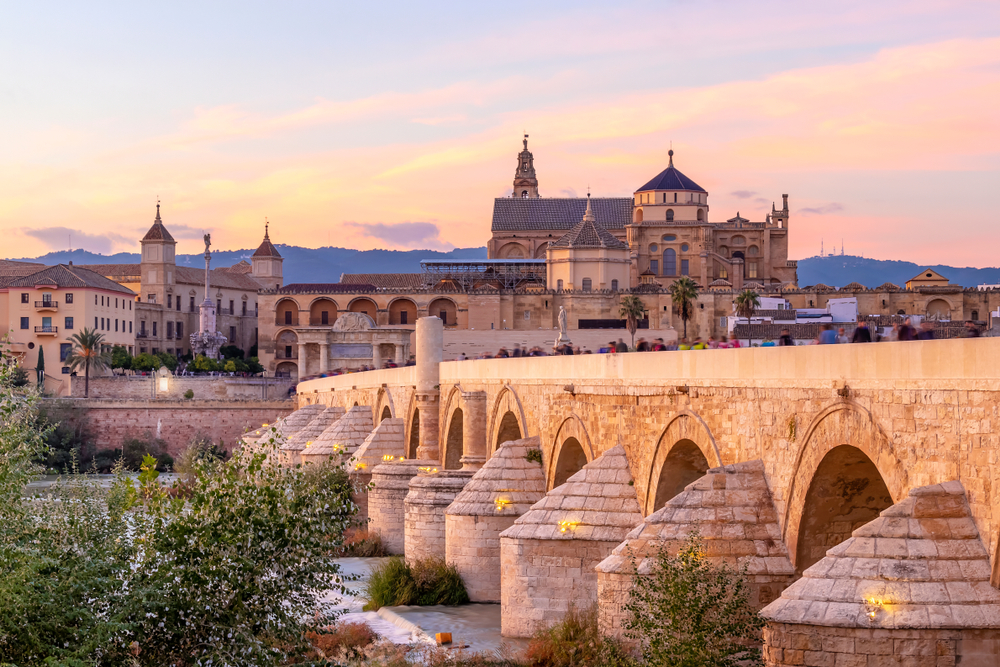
<point>314,265</point>
<point>302,265</point>
<point>839,270</point>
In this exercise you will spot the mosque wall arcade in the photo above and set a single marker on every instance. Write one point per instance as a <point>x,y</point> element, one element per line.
<point>842,432</point>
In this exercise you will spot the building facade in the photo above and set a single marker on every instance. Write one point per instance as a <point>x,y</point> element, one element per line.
<point>41,311</point>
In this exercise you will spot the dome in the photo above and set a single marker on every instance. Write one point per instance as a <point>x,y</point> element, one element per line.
<point>672,179</point>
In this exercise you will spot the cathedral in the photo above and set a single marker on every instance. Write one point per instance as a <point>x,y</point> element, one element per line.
<point>664,227</point>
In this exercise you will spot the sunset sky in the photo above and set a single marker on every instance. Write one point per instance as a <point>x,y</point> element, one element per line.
<point>395,125</point>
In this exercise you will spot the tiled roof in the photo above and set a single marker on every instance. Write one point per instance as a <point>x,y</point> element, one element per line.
<point>921,564</point>
<point>186,275</point>
<point>243,267</point>
<point>508,485</point>
<point>887,287</point>
<point>158,232</point>
<point>313,429</point>
<point>62,275</point>
<point>598,503</point>
<point>128,272</point>
<point>330,288</point>
<point>383,279</point>
<point>587,234</point>
<point>516,214</point>
<point>854,287</point>
<point>773,331</point>
<point>266,248</point>
<point>386,440</point>
<point>787,315</point>
<point>671,179</point>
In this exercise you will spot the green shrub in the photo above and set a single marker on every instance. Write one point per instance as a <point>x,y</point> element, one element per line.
<point>534,455</point>
<point>189,394</point>
<point>427,581</point>
<point>576,641</point>
<point>200,450</point>
<point>131,454</point>
<point>690,612</point>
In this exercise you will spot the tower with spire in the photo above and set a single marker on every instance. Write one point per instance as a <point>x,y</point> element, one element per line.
<point>267,263</point>
<point>158,263</point>
<point>525,182</point>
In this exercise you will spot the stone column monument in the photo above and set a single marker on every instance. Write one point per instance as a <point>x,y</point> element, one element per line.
<point>474,430</point>
<point>207,341</point>
<point>430,348</point>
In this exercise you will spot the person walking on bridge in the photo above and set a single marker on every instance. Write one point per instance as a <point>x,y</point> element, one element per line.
<point>862,334</point>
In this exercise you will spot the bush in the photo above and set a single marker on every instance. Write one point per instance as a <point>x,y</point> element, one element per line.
<point>189,394</point>
<point>692,613</point>
<point>576,641</point>
<point>342,641</point>
<point>131,454</point>
<point>120,358</point>
<point>426,582</point>
<point>359,543</point>
<point>254,366</point>
<point>201,450</point>
<point>231,352</point>
<point>145,362</point>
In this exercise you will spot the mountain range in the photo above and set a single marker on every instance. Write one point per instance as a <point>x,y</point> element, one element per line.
<point>325,265</point>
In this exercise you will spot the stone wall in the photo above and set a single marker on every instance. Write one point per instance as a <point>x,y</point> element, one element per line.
<point>108,422</point>
<point>921,412</point>
<point>219,388</point>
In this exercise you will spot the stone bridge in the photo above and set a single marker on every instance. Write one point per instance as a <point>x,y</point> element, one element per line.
<point>842,432</point>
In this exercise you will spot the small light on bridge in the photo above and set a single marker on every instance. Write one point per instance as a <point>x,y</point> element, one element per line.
<point>566,526</point>
<point>873,606</point>
<point>501,503</point>
<point>427,469</point>
<point>360,466</point>
<point>388,458</point>
<point>265,425</point>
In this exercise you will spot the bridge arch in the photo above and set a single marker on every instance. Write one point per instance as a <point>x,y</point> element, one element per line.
<point>844,475</point>
<point>507,413</point>
<point>571,450</point>
<point>452,433</point>
<point>411,432</point>
<point>685,451</point>
<point>384,406</point>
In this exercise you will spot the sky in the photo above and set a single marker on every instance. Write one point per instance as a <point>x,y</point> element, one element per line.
<point>396,124</point>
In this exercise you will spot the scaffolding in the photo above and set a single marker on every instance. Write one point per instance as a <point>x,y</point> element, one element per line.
<point>470,274</point>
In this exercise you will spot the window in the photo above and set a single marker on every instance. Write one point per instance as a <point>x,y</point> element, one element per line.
<point>178,303</point>
<point>324,317</point>
<point>975,315</point>
<point>151,298</point>
<point>130,305</point>
<point>155,350</point>
<point>288,352</point>
<point>653,248</point>
<point>739,240</point>
<point>24,323</point>
<point>154,329</point>
<point>669,237</point>
<point>170,329</point>
<point>443,314</point>
<point>95,320</point>
<point>170,301</point>
<point>116,324</point>
<point>288,317</point>
<point>232,307</point>
<point>614,285</point>
<point>102,324</point>
<point>669,262</point>
<point>65,370</point>
<point>68,324</point>
<point>24,297</point>
<point>684,267</point>
<point>47,297</point>
<point>751,269</point>
<point>586,284</point>
<point>218,306</point>
<point>130,327</point>
<point>68,297</point>
<point>95,299</point>
<point>255,309</point>
<point>527,314</point>
<point>559,285</point>
<point>701,215</point>
<point>244,308</point>
<point>232,335</point>
<point>721,272</point>
<point>403,315</point>
<point>64,350</point>
<point>142,328</point>
<point>724,251</point>
<point>654,266</point>
<point>675,197</point>
<point>102,300</point>
<point>180,330</point>
<point>753,251</point>
<point>192,305</point>
<point>670,215</point>
<point>684,247</point>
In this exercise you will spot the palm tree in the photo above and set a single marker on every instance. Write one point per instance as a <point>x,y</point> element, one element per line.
<point>631,309</point>
<point>683,293</point>
<point>88,351</point>
<point>747,302</point>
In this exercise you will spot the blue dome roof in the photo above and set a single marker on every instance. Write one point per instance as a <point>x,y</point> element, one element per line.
<point>671,179</point>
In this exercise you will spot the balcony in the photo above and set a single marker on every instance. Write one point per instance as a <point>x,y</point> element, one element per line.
<point>281,356</point>
<point>280,322</point>
<point>142,334</point>
<point>318,322</point>
<point>46,305</point>
<point>46,331</point>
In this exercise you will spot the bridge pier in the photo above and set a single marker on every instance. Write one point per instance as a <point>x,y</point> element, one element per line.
<point>504,489</point>
<point>548,557</point>
<point>913,584</point>
<point>732,510</point>
<point>386,510</point>
<point>383,444</point>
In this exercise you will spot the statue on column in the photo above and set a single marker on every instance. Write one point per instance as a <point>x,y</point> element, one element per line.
<point>563,328</point>
<point>208,340</point>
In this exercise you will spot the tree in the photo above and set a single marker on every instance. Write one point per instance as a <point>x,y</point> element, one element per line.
<point>683,293</point>
<point>631,309</point>
<point>203,363</point>
<point>88,351</point>
<point>120,358</point>
<point>253,365</point>
<point>689,612</point>
<point>40,367</point>
<point>231,352</point>
<point>747,302</point>
<point>168,360</point>
<point>146,362</point>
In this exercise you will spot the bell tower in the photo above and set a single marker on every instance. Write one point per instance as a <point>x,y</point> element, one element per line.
<point>267,263</point>
<point>525,182</point>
